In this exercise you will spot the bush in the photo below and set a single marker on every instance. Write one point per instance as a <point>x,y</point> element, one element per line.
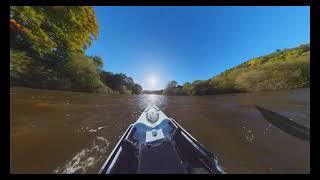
<point>82,72</point>
<point>187,89</point>
<point>276,74</point>
<point>19,65</point>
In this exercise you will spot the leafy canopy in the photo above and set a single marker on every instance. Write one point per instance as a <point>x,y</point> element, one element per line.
<point>54,30</point>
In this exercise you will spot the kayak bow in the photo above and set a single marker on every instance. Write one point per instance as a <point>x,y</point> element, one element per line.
<point>156,144</point>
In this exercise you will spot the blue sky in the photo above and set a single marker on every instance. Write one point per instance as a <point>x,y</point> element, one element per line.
<point>154,45</point>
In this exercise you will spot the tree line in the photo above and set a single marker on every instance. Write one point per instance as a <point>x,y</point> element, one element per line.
<point>47,50</point>
<point>282,69</point>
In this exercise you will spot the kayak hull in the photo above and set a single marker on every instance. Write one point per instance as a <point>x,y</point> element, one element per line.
<point>161,147</point>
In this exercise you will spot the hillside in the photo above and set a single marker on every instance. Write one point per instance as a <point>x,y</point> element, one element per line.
<point>283,69</point>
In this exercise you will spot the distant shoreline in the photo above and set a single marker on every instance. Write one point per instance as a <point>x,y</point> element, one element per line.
<point>243,92</point>
<point>148,92</point>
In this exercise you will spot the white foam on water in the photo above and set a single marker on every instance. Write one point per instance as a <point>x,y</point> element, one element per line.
<point>249,136</point>
<point>102,127</point>
<point>86,158</point>
<point>104,140</point>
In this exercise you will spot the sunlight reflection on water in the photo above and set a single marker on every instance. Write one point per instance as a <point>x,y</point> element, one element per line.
<point>148,99</point>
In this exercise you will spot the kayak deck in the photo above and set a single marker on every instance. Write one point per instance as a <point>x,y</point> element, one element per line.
<point>159,147</point>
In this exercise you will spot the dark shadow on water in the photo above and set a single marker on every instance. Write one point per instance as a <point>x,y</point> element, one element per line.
<point>285,124</point>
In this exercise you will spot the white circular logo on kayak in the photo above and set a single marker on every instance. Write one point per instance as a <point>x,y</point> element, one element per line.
<point>152,115</point>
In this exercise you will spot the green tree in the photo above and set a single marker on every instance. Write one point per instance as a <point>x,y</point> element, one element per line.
<point>60,31</point>
<point>84,75</point>
<point>171,87</point>
<point>171,84</point>
<point>188,89</point>
<point>120,83</point>
<point>137,89</point>
<point>98,61</point>
<point>201,87</point>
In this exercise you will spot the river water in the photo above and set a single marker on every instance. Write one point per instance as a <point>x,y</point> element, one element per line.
<point>72,132</point>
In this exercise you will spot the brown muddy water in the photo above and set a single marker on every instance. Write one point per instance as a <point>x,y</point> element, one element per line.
<point>71,132</point>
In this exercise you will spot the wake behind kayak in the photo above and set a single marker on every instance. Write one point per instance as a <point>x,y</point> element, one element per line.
<point>156,144</point>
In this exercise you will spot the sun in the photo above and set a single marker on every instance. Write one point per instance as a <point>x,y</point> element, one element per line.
<point>152,80</point>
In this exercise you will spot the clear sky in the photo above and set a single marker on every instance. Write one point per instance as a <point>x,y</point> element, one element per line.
<point>156,44</point>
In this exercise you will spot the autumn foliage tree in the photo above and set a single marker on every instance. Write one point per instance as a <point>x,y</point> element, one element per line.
<point>58,31</point>
<point>48,48</point>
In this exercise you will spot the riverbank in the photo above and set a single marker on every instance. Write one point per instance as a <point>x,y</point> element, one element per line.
<point>55,57</point>
<point>282,70</point>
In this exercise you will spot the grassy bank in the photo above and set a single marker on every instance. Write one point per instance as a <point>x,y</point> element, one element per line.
<point>283,69</point>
